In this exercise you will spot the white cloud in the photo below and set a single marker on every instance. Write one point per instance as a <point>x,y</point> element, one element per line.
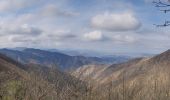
<point>94,36</point>
<point>118,38</point>
<point>42,23</point>
<point>116,21</point>
<point>20,30</point>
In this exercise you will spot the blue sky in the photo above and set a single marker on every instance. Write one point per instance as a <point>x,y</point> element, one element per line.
<point>108,26</point>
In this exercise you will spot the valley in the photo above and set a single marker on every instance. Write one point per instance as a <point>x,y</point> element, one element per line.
<point>84,50</point>
<point>137,79</point>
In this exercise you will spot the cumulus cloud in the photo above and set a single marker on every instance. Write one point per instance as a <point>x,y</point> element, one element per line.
<point>116,21</point>
<point>42,23</point>
<point>94,36</point>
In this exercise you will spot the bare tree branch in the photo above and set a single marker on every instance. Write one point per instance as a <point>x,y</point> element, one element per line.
<point>160,4</point>
<point>164,7</point>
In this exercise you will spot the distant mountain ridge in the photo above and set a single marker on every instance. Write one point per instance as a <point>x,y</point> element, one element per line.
<point>43,57</point>
<point>133,68</point>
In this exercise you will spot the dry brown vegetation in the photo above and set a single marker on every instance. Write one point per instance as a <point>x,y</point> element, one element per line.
<point>139,79</point>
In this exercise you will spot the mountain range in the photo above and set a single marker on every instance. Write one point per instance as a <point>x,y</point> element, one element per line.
<point>60,60</point>
<point>145,78</point>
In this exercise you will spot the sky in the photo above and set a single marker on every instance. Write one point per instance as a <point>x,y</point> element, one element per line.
<point>108,26</point>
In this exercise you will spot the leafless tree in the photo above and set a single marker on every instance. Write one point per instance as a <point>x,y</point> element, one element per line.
<point>164,7</point>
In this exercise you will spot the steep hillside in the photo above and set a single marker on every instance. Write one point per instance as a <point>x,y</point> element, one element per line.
<point>104,73</point>
<point>90,72</point>
<point>64,61</point>
<point>34,82</point>
<point>14,81</point>
<point>138,79</point>
<point>132,68</point>
<point>9,66</point>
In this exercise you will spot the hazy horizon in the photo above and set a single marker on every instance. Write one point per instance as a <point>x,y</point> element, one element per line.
<point>88,52</point>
